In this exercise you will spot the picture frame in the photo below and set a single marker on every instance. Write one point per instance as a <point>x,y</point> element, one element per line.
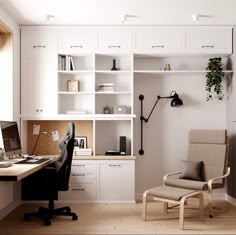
<point>73,85</point>
<point>81,142</point>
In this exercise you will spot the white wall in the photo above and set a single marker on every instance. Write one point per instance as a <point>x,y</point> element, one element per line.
<point>166,133</point>
<point>10,98</point>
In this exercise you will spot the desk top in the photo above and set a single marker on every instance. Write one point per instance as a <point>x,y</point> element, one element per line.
<point>17,172</point>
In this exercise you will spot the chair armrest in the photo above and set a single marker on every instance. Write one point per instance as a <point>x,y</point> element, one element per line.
<point>170,174</point>
<point>210,182</point>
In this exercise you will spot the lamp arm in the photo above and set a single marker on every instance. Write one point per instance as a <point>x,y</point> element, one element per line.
<point>146,119</point>
<point>36,143</point>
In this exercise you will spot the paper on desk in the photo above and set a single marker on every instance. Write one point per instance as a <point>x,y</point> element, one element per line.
<point>36,129</point>
<point>55,136</point>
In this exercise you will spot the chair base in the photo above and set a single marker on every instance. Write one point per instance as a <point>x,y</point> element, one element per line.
<point>48,213</point>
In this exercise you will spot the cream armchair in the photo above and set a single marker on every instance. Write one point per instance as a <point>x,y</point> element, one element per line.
<point>210,147</point>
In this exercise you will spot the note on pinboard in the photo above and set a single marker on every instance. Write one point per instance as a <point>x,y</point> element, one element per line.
<point>36,129</point>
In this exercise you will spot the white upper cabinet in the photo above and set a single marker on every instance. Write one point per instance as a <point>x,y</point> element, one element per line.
<point>38,72</point>
<point>159,40</point>
<point>115,40</point>
<point>74,40</point>
<point>207,40</point>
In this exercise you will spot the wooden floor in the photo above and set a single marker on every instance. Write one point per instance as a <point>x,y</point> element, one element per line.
<point>122,219</point>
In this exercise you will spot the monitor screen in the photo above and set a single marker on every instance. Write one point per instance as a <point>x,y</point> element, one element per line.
<point>10,139</point>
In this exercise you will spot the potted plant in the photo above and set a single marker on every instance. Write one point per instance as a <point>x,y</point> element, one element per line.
<point>214,77</point>
<point>107,109</point>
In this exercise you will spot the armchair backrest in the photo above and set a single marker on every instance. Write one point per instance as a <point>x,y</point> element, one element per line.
<point>63,164</point>
<point>209,146</point>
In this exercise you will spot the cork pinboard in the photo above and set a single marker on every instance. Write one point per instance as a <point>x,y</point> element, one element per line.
<point>46,145</point>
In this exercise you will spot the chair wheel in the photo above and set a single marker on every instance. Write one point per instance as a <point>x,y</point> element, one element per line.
<point>74,217</point>
<point>211,216</point>
<point>47,222</point>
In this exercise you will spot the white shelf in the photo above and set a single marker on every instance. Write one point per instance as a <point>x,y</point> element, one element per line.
<point>113,93</point>
<point>114,116</point>
<point>175,72</point>
<point>75,71</point>
<point>115,72</point>
<point>75,93</point>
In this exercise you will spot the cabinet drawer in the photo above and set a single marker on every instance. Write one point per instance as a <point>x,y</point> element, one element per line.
<point>83,167</point>
<point>159,40</point>
<point>76,178</point>
<point>76,40</point>
<point>209,40</point>
<point>114,40</point>
<point>80,192</point>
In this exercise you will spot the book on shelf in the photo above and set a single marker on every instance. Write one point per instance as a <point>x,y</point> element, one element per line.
<point>66,62</point>
<point>82,152</point>
<point>106,87</point>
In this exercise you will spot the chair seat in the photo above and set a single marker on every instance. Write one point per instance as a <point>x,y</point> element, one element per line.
<point>186,184</point>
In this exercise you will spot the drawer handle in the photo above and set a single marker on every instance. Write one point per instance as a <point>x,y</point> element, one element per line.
<point>39,47</point>
<point>207,46</point>
<point>78,165</point>
<point>113,46</point>
<point>78,174</point>
<point>114,165</point>
<point>79,46</point>
<point>160,46</point>
<point>78,189</point>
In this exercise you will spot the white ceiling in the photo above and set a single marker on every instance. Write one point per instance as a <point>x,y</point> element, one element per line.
<point>108,12</point>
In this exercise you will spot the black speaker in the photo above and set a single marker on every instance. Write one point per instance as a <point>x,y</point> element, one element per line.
<point>122,145</point>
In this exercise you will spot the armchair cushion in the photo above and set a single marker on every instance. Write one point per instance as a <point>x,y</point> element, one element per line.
<point>191,170</point>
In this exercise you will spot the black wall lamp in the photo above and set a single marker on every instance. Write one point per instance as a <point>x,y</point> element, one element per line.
<point>176,101</point>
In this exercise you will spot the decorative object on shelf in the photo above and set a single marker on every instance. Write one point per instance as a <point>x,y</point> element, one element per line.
<point>73,85</point>
<point>106,87</point>
<point>77,112</point>
<point>82,152</point>
<point>214,77</point>
<point>176,101</point>
<point>80,142</point>
<point>120,109</point>
<point>167,67</point>
<point>107,109</point>
<point>114,65</point>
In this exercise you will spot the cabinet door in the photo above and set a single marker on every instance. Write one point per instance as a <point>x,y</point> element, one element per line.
<point>209,40</point>
<point>38,73</point>
<point>159,40</point>
<point>76,40</point>
<point>115,40</point>
<point>116,180</point>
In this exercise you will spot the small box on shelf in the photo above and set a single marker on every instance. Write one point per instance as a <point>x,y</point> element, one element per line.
<point>73,85</point>
<point>106,87</point>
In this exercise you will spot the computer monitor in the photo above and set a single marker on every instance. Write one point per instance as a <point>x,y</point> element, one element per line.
<point>9,138</point>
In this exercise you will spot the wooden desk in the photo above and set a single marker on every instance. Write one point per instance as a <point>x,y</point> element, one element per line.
<point>17,172</point>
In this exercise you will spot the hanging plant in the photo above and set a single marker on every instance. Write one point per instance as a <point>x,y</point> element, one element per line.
<point>214,77</point>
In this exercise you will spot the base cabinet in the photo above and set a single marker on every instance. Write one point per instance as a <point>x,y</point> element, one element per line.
<point>101,180</point>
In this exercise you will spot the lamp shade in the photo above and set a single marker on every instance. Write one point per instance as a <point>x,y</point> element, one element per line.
<point>176,101</point>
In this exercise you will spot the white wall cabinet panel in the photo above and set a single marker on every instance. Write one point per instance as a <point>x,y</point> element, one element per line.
<point>77,40</point>
<point>38,73</point>
<point>159,40</point>
<point>116,180</point>
<point>209,40</point>
<point>114,40</point>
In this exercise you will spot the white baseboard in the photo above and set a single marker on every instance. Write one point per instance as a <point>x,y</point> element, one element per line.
<point>230,199</point>
<point>9,208</point>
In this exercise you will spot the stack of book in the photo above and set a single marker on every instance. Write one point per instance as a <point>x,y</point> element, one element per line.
<point>66,62</point>
<point>106,87</point>
<point>82,152</point>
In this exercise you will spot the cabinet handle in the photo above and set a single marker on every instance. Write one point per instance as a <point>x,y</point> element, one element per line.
<point>161,46</point>
<point>78,174</point>
<point>78,189</point>
<point>113,46</point>
<point>41,110</point>
<point>80,46</point>
<point>39,47</point>
<point>37,110</point>
<point>207,46</point>
<point>79,165</point>
<point>114,165</point>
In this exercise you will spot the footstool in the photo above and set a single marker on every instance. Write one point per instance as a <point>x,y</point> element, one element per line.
<point>173,195</point>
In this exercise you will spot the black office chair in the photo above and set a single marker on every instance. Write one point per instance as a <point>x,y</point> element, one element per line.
<point>45,184</point>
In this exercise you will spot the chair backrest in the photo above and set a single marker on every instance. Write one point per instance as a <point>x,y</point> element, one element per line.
<point>63,164</point>
<point>209,146</point>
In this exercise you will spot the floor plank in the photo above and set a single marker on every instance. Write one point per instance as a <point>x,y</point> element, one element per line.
<point>122,219</point>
